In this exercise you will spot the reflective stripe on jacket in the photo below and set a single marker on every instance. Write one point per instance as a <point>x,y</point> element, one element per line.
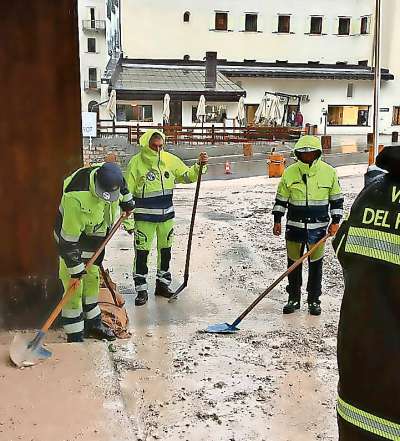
<point>312,196</point>
<point>83,218</point>
<point>151,179</point>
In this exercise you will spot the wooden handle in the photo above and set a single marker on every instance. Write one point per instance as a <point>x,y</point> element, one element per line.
<point>76,282</point>
<point>279,279</point>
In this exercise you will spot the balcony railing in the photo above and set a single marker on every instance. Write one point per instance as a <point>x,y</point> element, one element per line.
<point>92,85</point>
<point>94,25</point>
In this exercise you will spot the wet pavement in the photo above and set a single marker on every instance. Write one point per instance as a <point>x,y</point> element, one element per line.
<point>273,380</point>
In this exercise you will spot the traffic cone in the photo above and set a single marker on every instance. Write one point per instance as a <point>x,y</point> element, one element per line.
<point>228,169</point>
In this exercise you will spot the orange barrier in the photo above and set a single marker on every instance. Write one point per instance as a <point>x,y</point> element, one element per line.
<point>276,167</point>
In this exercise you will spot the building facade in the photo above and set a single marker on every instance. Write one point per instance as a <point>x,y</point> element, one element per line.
<point>99,41</point>
<point>318,50</point>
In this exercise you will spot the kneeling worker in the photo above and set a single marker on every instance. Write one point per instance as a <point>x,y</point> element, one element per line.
<point>91,202</point>
<point>309,189</point>
<point>151,176</point>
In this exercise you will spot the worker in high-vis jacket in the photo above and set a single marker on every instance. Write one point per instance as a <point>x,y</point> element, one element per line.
<point>151,176</point>
<point>91,202</point>
<point>309,191</point>
<point>368,344</point>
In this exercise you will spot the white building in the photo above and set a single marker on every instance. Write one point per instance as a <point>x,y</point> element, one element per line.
<point>318,49</point>
<point>99,41</point>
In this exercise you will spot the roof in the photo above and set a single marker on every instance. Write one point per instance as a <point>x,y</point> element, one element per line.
<point>146,81</point>
<point>312,70</point>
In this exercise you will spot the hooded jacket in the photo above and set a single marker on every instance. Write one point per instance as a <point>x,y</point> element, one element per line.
<point>311,195</point>
<point>151,178</point>
<point>368,346</point>
<point>83,218</point>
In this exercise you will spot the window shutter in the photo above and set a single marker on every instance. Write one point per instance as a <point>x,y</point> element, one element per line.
<point>355,26</point>
<point>307,25</point>
<point>212,20</point>
<point>335,26</point>
<point>275,21</point>
<point>325,25</point>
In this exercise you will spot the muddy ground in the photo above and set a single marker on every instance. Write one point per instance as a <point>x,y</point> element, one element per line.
<point>273,380</point>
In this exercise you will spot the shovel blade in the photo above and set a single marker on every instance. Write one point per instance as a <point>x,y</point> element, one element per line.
<point>25,352</point>
<point>222,328</point>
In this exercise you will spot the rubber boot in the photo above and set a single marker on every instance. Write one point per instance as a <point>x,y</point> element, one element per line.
<point>76,337</point>
<point>314,287</point>
<point>100,332</point>
<point>141,298</point>
<point>293,289</point>
<point>291,306</point>
<point>163,290</point>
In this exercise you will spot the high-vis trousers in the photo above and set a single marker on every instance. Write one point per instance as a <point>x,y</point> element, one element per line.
<point>82,310</point>
<point>314,286</point>
<point>144,236</point>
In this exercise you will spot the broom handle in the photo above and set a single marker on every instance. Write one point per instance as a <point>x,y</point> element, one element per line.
<point>194,211</point>
<point>75,284</point>
<point>279,279</point>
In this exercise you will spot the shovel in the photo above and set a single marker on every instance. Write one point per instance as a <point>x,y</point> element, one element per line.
<point>24,352</point>
<point>189,245</point>
<point>226,328</point>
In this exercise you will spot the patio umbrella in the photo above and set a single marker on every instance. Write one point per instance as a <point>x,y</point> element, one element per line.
<point>275,113</point>
<point>201,111</point>
<point>112,104</point>
<point>166,110</point>
<point>241,113</point>
<point>262,110</point>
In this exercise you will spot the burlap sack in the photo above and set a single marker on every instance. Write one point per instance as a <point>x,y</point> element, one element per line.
<point>113,312</point>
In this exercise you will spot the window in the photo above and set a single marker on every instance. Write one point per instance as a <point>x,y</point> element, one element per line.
<point>348,115</point>
<point>251,23</point>
<point>363,63</point>
<point>396,116</point>
<point>214,113</point>
<point>186,17</point>
<point>92,18</point>
<point>364,26</point>
<point>134,112</point>
<point>350,90</point>
<point>344,26</point>
<point>316,26</point>
<point>284,24</point>
<point>91,45</point>
<point>221,21</point>
<point>92,77</point>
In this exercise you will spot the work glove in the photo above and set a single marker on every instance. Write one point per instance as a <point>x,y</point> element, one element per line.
<point>277,229</point>
<point>333,229</point>
<point>203,158</point>
<point>127,207</point>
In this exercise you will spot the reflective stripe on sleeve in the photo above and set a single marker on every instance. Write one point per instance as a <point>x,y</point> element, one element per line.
<point>368,422</point>
<point>76,269</point>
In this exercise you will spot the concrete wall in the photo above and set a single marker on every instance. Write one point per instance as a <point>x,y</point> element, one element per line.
<point>167,36</point>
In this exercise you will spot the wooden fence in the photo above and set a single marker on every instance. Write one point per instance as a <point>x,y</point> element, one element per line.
<point>177,134</point>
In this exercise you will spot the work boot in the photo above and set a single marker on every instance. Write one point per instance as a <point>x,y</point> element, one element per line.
<point>163,290</point>
<point>100,332</point>
<point>291,306</point>
<point>141,298</point>
<point>76,337</point>
<point>314,308</point>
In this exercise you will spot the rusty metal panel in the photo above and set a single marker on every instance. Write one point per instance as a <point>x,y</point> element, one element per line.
<point>40,139</point>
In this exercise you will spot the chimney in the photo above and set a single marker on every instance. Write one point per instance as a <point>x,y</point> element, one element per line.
<point>211,70</point>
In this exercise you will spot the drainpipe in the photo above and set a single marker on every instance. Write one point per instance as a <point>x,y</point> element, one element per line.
<point>377,77</point>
